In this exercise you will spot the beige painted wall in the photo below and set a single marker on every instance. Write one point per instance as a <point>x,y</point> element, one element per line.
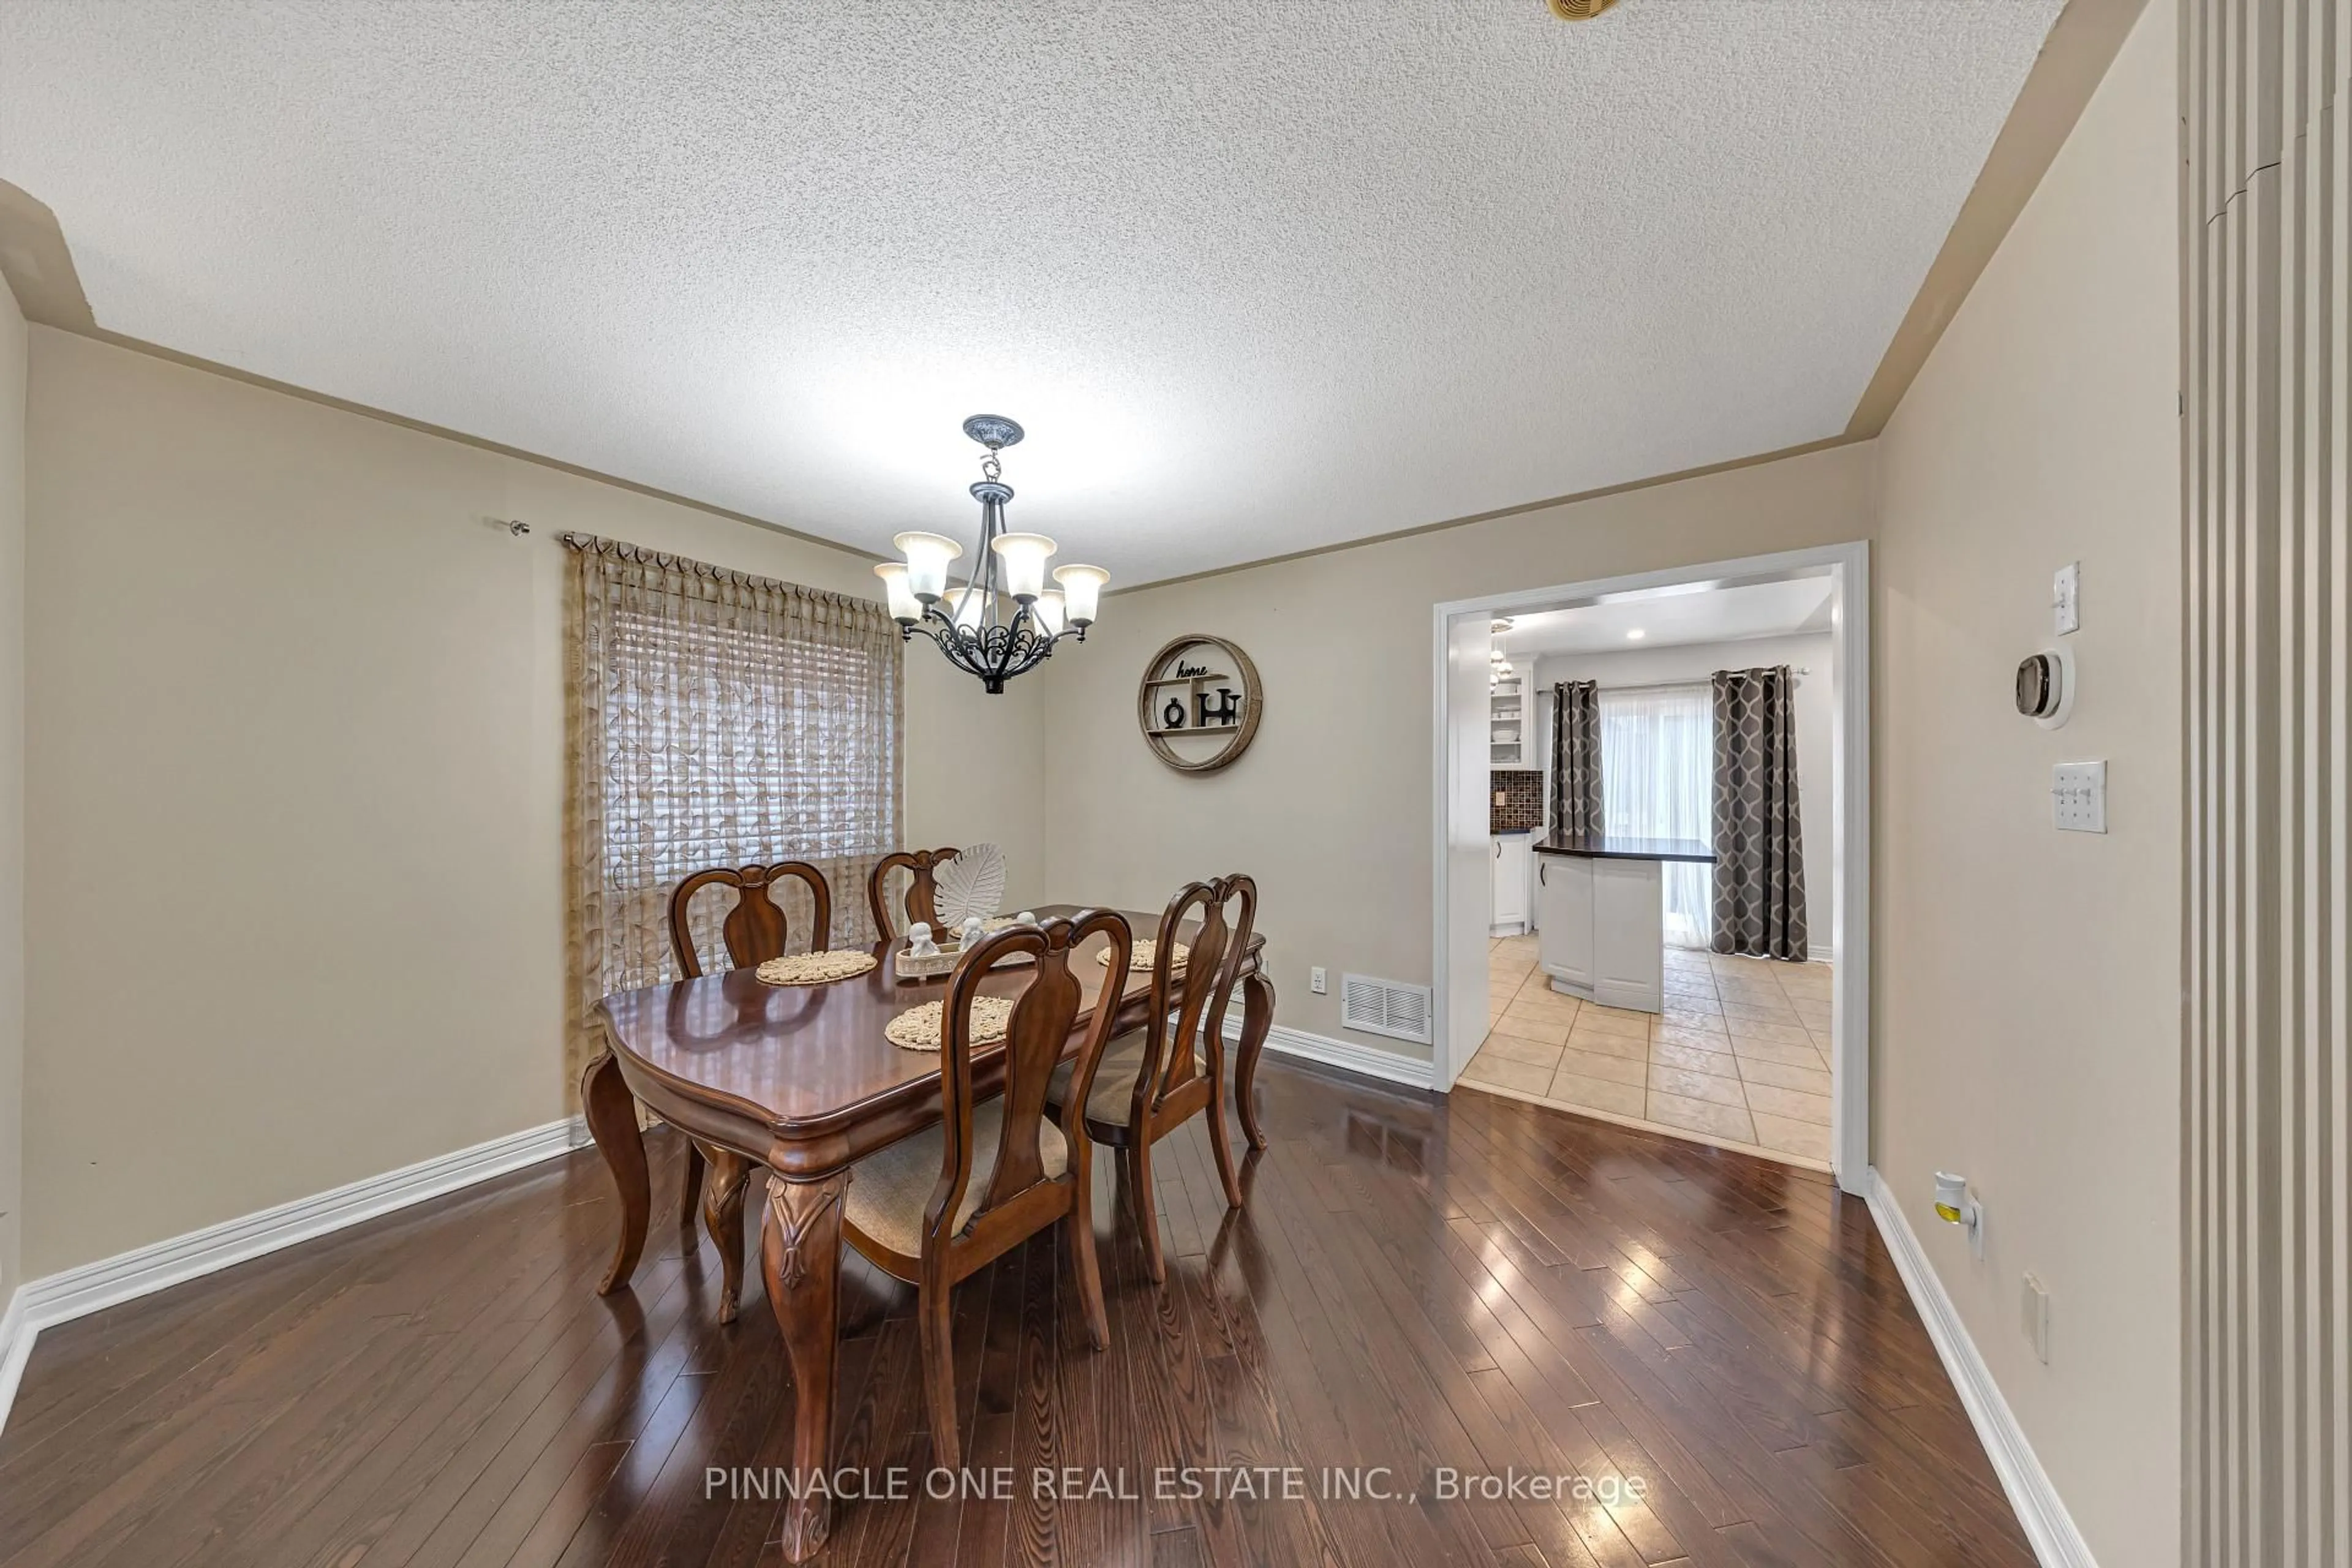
<point>12,793</point>
<point>295,743</point>
<point>1817,710</point>
<point>279,664</point>
<point>1330,809</point>
<point>2027,1020</point>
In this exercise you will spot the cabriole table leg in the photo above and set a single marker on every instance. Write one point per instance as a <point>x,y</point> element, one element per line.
<point>611,1113</point>
<point>1257,1018</point>
<point>800,1251</point>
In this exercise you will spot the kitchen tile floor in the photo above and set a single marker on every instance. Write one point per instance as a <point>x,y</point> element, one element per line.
<point>1741,1056</point>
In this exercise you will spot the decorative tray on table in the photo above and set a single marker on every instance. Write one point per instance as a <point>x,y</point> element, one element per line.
<point>907,967</point>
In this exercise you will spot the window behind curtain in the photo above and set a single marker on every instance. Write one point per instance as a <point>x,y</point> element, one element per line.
<point>716,718</point>
<point>1657,781</point>
<point>731,744</point>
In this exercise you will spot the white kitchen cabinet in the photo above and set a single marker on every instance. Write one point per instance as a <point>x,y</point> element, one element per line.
<point>1564,920</point>
<point>1512,865</point>
<point>1507,701</point>
<point>1629,926</point>
<point>1601,916</point>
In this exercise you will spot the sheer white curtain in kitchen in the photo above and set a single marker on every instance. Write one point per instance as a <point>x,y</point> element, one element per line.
<point>1657,781</point>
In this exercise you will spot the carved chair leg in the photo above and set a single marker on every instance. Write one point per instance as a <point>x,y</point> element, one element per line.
<point>1081,1225</point>
<point>689,1187</point>
<point>1257,1020</point>
<point>935,1321</point>
<point>722,1217</point>
<point>800,1251</point>
<point>612,1114</point>
<point>1147,1206</point>
<point>1220,1142</point>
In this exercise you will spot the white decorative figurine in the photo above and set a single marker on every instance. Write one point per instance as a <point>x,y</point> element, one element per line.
<point>971,928</point>
<point>918,941</point>
<point>1026,918</point>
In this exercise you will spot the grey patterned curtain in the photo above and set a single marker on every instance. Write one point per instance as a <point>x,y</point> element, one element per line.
<point>1575,757</point>
<point>1759,871</point>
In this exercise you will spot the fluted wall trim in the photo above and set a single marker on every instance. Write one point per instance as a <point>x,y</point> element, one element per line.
<point>2267,444</point>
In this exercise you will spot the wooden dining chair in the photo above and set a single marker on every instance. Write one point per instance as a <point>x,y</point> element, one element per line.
<point>917,905</point>
<point>1154,1079</point>
<point>921,1210</point>
<point>754,931</point>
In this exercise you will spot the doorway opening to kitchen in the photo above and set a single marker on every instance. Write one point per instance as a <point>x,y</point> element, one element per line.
<point>1652,836</point>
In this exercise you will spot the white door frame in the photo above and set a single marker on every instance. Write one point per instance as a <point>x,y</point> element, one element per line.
<point>1849,566</point>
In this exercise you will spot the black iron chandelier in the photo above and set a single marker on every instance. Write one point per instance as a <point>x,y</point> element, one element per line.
<point>1002,620</point>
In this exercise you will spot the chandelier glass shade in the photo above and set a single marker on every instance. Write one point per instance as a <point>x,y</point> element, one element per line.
<point>1002,620</point>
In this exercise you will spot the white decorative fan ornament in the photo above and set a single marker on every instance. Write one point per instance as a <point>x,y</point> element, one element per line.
<point>970,886</point>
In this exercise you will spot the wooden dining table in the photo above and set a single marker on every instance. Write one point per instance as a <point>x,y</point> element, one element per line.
<point>801,1082</point>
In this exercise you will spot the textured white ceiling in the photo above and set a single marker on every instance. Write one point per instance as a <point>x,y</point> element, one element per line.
<point>1258,275</point>
<point>1675,618</point>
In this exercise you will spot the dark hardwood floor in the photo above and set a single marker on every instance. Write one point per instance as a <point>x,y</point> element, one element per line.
<point>1477,1284</point>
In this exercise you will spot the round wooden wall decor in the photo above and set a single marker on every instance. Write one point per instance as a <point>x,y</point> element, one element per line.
<point>1200,703</point>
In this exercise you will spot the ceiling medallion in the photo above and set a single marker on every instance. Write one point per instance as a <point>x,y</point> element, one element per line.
<point>1002,620</point>
<point>1579,10</point>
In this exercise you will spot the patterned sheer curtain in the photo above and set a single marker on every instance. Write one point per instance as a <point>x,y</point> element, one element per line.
<point>714,719</point>
<point>1657,781</point>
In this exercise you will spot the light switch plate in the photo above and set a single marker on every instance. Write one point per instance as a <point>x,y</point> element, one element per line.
<point>2078,797</point>
<point>2067,598</point>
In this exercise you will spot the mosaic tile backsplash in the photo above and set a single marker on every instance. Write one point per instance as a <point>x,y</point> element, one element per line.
<point>1522,806</point>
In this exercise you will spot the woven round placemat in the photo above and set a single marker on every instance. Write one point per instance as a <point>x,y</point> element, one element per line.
<point>821,968</point>
<point>922,1028</point>
<point>1146,949</point>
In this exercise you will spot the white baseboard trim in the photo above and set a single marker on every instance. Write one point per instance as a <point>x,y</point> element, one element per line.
<point>56,1299</point>
<point>2040,1511</point>
<point>15,1347</point>
<point>1371,1061</point>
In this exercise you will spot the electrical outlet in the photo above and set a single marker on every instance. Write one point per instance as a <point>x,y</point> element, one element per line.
<point>2067,598</point>
<point>2078,797</point>
<point>2037,1315</point>
<point>1316,982</point>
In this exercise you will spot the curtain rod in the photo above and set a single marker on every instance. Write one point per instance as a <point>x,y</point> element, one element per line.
<point>1702,681</point>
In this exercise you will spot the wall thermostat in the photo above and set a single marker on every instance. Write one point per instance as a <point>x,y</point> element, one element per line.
<point>2039,681</point>
<point>2045,687</point>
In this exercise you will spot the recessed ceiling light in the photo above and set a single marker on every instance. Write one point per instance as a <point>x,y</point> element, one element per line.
<point>1636,635</point>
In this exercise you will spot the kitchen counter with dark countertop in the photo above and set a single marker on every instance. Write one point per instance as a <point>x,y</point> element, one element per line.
<point>1599,846</point>
<point>1600,915</point>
